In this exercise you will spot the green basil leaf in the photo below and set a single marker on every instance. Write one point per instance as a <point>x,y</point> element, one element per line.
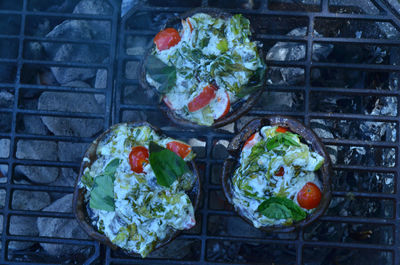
<point>160,72</point>
<point>112,167</point>
<point>102,194</point>
<point>167,165</point>
<point>296,213</point>
<point>277,211</point>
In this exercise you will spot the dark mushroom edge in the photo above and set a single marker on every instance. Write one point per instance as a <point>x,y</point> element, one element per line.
<point>80,206</point>
<point>308,137</point>
<point>238,109</point>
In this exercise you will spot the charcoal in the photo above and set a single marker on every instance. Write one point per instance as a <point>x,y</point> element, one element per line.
<point>79,29</point>
<point>60,227</point>
<point>93,7</point>
<point>37,150</point>
<point>22,225</point>
<point>70,102</point>
<point>72,29</point>
<point>29,200</point>
<point>32,125</point>
<point>101,79</point>
<point>72,152</point>
<point>4,148</point>
<point>67,178</point>
<point>293,51</point>
<point>6,99</point>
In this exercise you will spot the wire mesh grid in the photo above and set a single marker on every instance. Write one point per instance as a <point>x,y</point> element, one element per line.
<point>220,236</point>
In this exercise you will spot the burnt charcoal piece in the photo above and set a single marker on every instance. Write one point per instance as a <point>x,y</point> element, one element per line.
<point>309,137</point>
<point>238,109</point>
<point>80,208</point>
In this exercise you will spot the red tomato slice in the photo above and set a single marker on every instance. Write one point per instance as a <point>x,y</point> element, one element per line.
<point>190,24</point>
<point>167,102</point>
<point>221,106</point>
<point>281,129</point>
<point>203,99</point>
<point>138,156</point>
<point>179,148</point>
<point>252,140</point>
<point>281,172</point>
<point>309,196</point>
<point>167,38</point>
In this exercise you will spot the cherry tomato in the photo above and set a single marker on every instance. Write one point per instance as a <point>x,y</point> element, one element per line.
<point>138,156</point>
<point>309,196</point>
<point>280,172</point>
<point>203,99</point>
<point>167,38</point>
<point>221,106</point>
<point>281,129</point>
<point>252,140</point>
<point>179,148</point>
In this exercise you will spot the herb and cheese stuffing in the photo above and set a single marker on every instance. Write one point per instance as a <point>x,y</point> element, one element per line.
<point>276,183</point>
<point>136,188</point>
<point>204,68</point>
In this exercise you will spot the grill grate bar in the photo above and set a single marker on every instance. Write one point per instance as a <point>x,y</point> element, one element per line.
<point>7,199</point>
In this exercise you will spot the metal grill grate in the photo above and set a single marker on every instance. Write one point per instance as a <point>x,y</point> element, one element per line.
<point>216,232</point>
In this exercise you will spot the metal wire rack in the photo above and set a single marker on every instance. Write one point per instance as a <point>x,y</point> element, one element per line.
<point>124,101</point>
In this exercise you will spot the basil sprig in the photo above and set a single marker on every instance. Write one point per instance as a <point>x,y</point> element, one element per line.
<point>167,165</point>
<point>281,208</point>
<point>160,72</point>
<point>281,138</point>
<point>102,194</point>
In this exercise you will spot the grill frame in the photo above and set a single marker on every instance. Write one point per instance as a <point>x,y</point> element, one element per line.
<point>113,114</point>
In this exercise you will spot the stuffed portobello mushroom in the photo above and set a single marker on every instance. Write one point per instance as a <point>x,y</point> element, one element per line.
<point>138,188</point>
<point>277,182</point>
<point>202,69</point>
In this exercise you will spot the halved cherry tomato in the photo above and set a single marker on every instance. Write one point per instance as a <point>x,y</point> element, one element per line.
<point>203,99</point>
<point>221,106</point>
<point>138,156</point>
<point>309,196</point>
<point>167,102</point>
<point>167,38</point>
<point>281,172</point>
<point>281,129</point>
<point>179,148</point>
<point>252,140</point>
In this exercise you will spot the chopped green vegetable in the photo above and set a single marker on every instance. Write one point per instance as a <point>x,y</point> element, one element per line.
<point>167,165</point>
<point>163,74</point>
<point>87,180</point>
<point>222,45</point>
<point>281,138</point>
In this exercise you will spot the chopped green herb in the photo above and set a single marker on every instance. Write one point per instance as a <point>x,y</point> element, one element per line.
<point>87,180</point>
